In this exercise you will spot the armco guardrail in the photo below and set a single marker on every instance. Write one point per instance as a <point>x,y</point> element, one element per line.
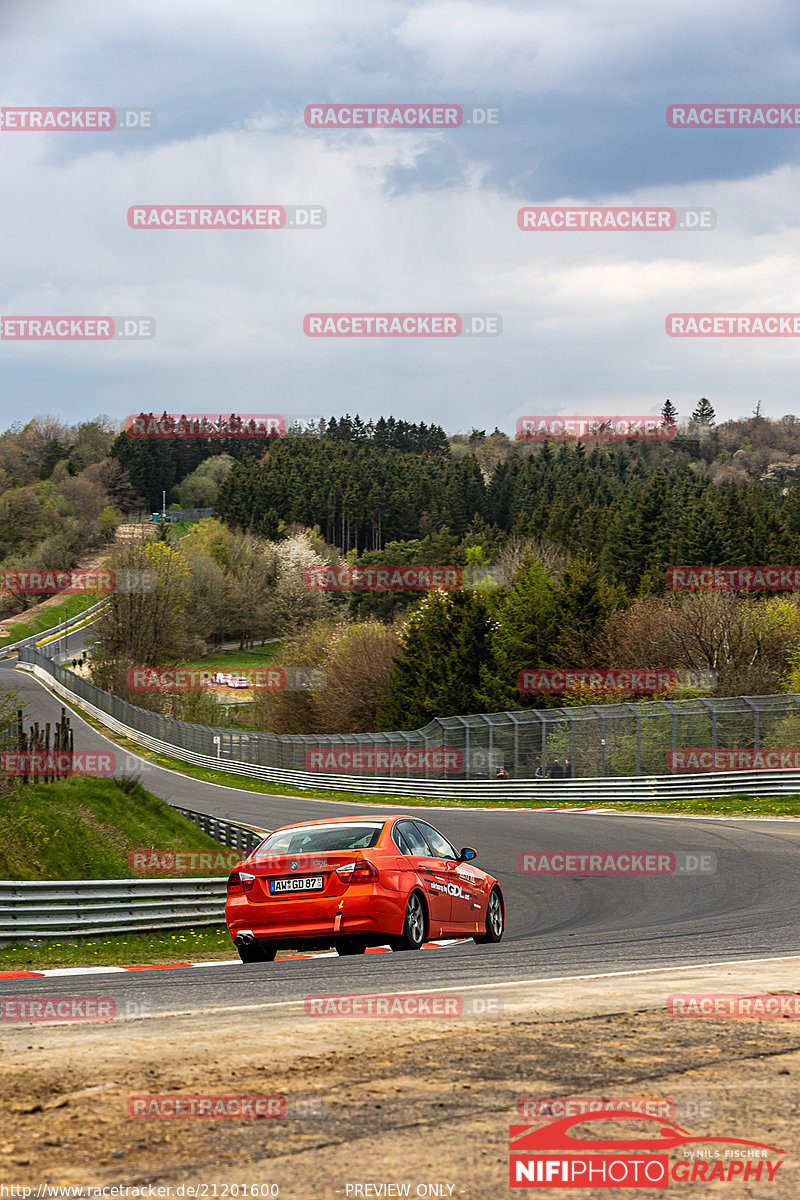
<point>56,631</point>
<point>591,791</point>
<point>94,906</point>
<point>228,833</point>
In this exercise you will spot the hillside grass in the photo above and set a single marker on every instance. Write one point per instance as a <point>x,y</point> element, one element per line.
<point>48,618</point>
<point>83,828</point>
<point>235,662</point>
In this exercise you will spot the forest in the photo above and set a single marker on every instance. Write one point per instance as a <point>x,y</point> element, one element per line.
<point>565,551</point>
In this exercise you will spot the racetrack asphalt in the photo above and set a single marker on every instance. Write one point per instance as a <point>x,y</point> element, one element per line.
<point>557,926</point>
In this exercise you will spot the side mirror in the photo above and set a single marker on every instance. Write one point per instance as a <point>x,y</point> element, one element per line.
<point>467,854</point>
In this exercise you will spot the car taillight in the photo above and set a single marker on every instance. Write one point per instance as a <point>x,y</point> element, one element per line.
<point>240,881</point>
<point>358,872</point>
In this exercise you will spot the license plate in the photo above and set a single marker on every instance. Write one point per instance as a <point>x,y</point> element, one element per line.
<point>296,883</point>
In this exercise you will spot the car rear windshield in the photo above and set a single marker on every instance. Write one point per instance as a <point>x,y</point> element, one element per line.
<point>310,839</point>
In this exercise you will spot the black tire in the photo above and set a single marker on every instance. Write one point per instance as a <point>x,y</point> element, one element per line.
<point>414,926</point>
<point>257,952</point>
<point>351,946</point>
<point>495,919</point>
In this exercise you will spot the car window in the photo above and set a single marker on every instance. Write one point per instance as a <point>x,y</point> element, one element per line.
<point>400,841</point>
<point>439,845</point>
<point>312,838</point>
<point>416,842</point>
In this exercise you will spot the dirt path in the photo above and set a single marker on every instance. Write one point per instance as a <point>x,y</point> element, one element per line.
<point>90,562</point>
<point>404,1102</point>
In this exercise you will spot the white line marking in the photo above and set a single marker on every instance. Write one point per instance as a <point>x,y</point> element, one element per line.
<point>51,972</point>
<point>189,1012</point>
<point>78,971</point>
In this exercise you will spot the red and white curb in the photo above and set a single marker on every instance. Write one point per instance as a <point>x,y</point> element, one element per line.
<point>227,962</point>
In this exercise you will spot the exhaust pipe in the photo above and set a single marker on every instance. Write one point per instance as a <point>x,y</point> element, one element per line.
<point>245,937</point>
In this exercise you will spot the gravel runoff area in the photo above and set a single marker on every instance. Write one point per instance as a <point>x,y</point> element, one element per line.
<point>424,1102</point>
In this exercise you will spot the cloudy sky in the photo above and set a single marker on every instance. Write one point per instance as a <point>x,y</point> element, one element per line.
<point>417,221</point>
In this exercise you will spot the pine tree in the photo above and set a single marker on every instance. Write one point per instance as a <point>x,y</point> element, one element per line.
<point>585,599</point>
<point>621,555</point>
<point>446,661</point>
<point>704,413</point>
<point>669,413</point>
<point>528,633</point>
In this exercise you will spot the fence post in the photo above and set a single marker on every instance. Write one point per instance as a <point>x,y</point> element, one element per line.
<point>638,717</point>
<point>756,725</point>
<point>602,745</point>
<point>515,723</point>
<point>572,741</point>
<point>709,704</point>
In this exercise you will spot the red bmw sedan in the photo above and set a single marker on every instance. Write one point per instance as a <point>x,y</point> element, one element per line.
<point>354,882</point>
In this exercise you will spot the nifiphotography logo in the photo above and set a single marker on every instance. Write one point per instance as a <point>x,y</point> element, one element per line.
<point>555,1156</point>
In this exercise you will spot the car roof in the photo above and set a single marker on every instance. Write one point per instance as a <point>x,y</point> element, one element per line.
<point>370,820</point>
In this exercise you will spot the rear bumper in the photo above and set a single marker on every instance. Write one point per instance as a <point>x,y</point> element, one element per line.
<point>374,915</point>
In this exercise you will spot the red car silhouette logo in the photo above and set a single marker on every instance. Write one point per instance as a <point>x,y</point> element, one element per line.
<point>529,1139</point>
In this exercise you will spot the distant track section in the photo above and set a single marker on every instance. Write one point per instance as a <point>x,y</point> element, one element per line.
<point>579,792</point>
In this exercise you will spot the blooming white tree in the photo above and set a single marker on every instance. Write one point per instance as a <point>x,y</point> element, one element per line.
<point>293,603</point>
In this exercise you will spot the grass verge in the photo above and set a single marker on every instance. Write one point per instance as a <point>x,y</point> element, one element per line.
<point>171,946</point>
<point>739,805</point>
